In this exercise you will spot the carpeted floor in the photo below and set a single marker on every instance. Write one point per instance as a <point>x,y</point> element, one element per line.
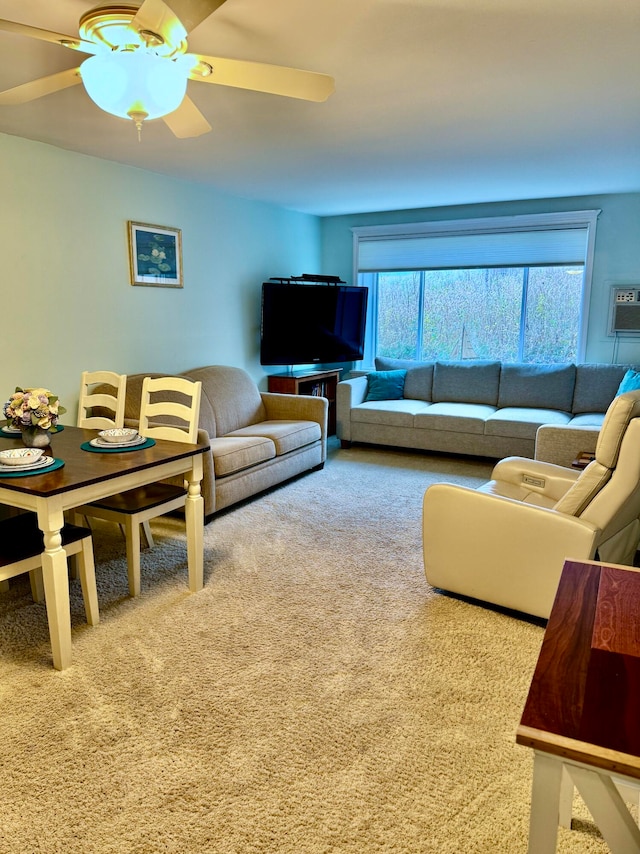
<point>317,696</point>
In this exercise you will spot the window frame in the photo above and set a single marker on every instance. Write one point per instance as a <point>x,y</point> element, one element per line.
<point>582,219</point>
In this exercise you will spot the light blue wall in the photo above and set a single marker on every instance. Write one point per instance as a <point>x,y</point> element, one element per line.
<point>67,304</point>
<point>616,262</point>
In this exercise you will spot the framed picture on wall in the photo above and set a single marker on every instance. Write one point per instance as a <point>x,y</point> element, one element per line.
<point>155,255</point>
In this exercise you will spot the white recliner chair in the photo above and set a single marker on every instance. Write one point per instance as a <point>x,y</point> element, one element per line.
<point>506,542</point>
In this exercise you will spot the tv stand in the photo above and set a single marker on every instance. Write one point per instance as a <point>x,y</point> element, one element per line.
<point>315,383</point>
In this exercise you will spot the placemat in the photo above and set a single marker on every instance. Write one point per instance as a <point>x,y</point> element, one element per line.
<point>86,446</point>
<point>56,464</point>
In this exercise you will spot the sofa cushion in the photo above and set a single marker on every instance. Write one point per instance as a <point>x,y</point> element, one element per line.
<point>133,395</point>
<point>587,419</point>
<point>596,386</point>
<point>522,422</point>
<point>232,395</point>
<point>455,417</point>
<point>539,386</point>
<point>419,380</point>
<point>389,413</point>
<point>466,382</point>
<point>385,385</point>
<point>286,435</point>
<point>233,454</point>
<point>419,383</point>
<point>384,363</point>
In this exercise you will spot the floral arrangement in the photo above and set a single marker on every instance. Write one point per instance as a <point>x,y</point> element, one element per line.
<point>33,407</point>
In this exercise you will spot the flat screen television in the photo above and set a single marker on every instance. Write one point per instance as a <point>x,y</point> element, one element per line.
<point>311,323</point>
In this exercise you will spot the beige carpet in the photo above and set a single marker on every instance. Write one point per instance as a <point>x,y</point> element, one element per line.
<point>317,696</point>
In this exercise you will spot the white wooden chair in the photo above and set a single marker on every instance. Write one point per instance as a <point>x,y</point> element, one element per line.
<point>21,547</point>
<point>158,419</point>
<point>89,399</point>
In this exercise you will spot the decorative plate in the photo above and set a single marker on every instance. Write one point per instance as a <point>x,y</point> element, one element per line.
<point>40,463</point>
<point>100,443</point>
<point>20,456</point>
<point>118,435</point>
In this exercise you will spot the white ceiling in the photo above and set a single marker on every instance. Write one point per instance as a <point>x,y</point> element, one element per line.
<point>437,102</point>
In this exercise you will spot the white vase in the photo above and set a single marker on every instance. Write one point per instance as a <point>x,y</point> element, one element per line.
<point>36,437</point>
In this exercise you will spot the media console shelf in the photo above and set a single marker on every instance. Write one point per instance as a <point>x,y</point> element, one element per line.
<point>315,383</point>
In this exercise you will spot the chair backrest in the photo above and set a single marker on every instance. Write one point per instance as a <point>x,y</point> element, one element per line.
<point>169,409</point>
<point>89,399</point>
<point>607,493</point>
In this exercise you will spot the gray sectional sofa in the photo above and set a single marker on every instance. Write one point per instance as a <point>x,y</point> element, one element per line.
<point>483,408</point>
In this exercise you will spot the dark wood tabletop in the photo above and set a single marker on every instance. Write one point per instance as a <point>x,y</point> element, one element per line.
<point>82,467</point>
<point>584,699</point>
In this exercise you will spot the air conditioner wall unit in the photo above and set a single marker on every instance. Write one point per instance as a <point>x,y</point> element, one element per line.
<point>625,310</point>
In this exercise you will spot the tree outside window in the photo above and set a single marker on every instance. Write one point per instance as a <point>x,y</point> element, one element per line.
<point>512,314</point>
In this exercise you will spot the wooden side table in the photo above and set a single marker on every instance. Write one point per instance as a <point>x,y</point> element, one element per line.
<point>583,459</point>
<point>582,712</point>
<point>317,383</point>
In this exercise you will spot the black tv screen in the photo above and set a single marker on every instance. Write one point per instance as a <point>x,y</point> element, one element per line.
<point>308,323</point>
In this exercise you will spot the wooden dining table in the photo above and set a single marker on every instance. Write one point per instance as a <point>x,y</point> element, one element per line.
<point>87,476</point>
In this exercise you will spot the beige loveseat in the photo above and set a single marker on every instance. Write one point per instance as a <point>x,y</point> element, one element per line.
<point>257,439</point>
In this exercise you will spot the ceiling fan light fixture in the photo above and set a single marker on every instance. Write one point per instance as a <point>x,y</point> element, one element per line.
<point>126,82</point>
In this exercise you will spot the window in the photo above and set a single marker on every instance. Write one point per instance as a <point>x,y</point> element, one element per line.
<point>511,288</point>
<point>515,314</point>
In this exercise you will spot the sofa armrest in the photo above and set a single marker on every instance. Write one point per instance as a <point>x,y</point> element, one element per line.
<point>561,444</point>
<point>297,407</point>
<point>349,393</point>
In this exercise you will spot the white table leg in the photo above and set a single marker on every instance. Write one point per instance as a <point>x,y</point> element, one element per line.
<point>56,588</point>
<point>87,572</point>
<point>545,804</point>
<point>608,809</point>
<point>132,542</point>
<point>630,793</point>
<point>566,799</point>
<point>194,521</point>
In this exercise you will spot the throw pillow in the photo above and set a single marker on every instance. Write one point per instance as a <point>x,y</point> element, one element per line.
<point>385,385</point>
<point>630,382</point>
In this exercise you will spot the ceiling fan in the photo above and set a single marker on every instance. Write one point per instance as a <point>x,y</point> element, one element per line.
<point>138,66</point>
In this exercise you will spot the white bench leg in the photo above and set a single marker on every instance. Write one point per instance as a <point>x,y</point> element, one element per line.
<point>609,811</point>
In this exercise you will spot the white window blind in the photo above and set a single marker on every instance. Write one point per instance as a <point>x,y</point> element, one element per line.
<point>557,239</point>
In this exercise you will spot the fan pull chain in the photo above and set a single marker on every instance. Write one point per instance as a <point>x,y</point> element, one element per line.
<point>138,116</point>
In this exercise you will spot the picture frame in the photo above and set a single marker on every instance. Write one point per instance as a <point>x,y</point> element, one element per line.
<point>155,255</point>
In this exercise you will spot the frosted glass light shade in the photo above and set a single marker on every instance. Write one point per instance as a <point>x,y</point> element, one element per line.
<point>128,82</point>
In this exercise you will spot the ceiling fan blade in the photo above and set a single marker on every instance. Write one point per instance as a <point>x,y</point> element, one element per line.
<point>40,87</point>
<point>194,12</point>
<point>261,77</point>
<point>156,17</point>
<point>72,42</point>
<point>187,120</point>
